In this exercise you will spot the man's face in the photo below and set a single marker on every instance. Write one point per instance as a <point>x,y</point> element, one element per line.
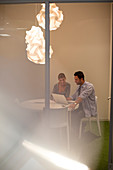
<point>77,80</point>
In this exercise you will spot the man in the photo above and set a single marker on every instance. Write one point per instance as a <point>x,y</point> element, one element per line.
<point>85,97</point>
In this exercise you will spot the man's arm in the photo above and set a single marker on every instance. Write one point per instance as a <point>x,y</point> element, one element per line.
<point>82,96</point>
<point>73,105</point>
<point>86,92</point>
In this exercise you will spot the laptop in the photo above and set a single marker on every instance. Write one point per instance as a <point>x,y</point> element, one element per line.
<point>58,98</point>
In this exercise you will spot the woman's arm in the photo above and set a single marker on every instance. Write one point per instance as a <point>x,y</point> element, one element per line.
<point>68,90</point>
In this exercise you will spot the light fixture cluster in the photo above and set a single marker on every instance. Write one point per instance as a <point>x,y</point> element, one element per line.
<point>56,17</point>
<point>36,45</point>
<point>34,37</point>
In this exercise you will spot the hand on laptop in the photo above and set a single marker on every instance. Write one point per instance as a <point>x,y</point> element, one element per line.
<point>73,106</point>
<point>68,98</point>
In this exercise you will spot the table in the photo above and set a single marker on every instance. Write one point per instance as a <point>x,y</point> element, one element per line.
<point>39,104</point>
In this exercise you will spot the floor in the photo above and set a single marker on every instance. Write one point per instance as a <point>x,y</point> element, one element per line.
<point>91,149</point>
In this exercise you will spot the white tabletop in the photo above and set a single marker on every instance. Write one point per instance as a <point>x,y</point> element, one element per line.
<point>39,104</point>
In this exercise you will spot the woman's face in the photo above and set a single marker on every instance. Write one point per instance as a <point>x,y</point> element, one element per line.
<point>62,81</point>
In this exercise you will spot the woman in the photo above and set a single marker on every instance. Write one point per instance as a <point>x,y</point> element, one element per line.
<point>62,87</point>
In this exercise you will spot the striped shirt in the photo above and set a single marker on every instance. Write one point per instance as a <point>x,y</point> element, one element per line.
<point>87,93</point>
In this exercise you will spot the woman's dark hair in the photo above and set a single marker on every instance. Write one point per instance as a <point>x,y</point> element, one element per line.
<point>80,74</point>
<point>61,75</point>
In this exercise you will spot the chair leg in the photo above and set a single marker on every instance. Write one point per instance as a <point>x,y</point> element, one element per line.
<point>98,124</point>
<point>70,121</point>
<point>90,124</point>
<point>80,129</point>
<point>68,139</point>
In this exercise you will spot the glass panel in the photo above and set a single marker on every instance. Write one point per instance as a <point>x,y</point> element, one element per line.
<point>82,43</point>
<point>80,40</point>
<point>19,77</point>
<point>22,85</point>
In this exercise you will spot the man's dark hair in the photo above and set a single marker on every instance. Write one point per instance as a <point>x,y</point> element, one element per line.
<point>61,75</point>
<point>80,74</point>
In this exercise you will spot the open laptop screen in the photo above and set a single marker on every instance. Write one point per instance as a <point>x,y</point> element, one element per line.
<point>59,98</point>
